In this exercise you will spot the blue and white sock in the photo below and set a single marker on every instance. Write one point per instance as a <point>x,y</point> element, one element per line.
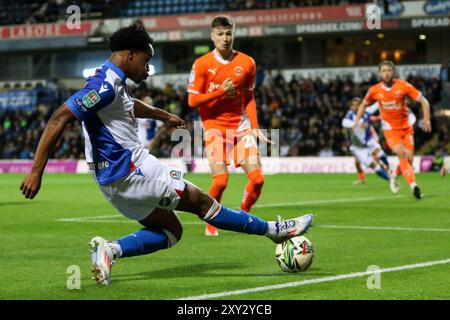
<point>382,157</point>
<point>381,173</point>
<point>239,221</point>
<point>144,241</point>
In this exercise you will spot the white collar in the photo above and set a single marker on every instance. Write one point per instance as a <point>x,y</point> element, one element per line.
<point>388,88</point>
<point>222,60</point>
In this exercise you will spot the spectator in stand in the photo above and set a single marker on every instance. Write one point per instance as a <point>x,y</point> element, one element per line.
<point>306,111</point>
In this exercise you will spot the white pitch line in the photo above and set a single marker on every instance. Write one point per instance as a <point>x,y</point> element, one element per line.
<point>383,228</point>
<point>317,280</point>
<point>80,219</point>
<point>331,201</point>
<point>101,221</point>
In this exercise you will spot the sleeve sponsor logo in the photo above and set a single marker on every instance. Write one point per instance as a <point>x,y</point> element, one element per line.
<point>78,102</point>
<point>91,99</point>
<point>103,88</point>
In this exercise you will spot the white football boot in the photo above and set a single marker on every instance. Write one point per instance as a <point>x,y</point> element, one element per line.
<point>393,184</point>
<point>102,260</point>
<point>286,229</point>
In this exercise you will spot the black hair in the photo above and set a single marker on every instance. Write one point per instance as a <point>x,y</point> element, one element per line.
<point>134,37</point>
<point>222,21</point>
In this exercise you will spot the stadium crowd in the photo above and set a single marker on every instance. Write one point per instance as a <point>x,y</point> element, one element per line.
<point>271,4</point>
<point>308,113</point>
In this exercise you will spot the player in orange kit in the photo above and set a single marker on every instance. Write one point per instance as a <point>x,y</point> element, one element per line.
<point>391,94</point>
<point>221,83</point>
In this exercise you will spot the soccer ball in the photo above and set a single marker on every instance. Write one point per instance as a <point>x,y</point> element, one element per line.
<point>295,254</point>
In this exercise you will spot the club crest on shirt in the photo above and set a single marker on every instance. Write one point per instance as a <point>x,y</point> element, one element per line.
<point>175,174</point>
<point>91,99</point>
<point>238,71</point>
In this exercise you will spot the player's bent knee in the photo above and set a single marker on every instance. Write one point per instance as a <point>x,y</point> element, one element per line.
<point>212,211</point>
<point>173,238</point>
<point>402,153</point>
<point>206,202</point>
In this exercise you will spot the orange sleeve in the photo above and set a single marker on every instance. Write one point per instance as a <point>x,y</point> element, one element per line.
<point>250,109</point>
<point>197,78</point>
<point>251,77</point>
<point>196,100</point>
<point>412,92</point>
<point>368,99</point>
<point>196,87</point>
<point>250,103</point>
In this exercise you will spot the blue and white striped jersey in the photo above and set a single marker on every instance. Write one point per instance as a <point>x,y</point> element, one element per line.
<point>106,110</point>
<point>360,137</point>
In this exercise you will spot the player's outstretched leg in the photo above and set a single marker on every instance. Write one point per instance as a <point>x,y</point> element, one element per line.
<point>102,260</point>
<point>381,156</point>
<point>406,157</point>
<point>393,180</point>
<point>216,190</point>
<point>379,170</point>
<point>162,230</point>
<point>359,173</point>
<point>252,189</point>
<point>196,201</point>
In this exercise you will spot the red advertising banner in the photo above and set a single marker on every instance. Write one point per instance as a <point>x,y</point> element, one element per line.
<point>43,30</point>
<point>194,21</point>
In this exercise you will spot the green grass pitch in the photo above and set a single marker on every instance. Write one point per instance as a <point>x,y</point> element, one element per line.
<point>355,227</point>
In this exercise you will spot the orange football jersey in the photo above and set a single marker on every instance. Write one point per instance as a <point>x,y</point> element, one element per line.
<point>392,101</point>
<point>208,73</point>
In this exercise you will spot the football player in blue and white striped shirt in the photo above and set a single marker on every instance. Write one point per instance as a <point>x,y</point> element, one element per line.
<point>132,180</point>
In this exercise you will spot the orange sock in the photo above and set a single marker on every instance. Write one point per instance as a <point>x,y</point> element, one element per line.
<point>216,190</point>
<point>252,190</point>
<point>407,171</point>
<point>218,186</point>
<point>361,175</point>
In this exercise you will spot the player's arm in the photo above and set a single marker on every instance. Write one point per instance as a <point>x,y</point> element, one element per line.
<point>250,109</point>
<point>367,101</point>
<point>198,96</point>
<point>250,104</point>
<point>347,123</point>
<point>55,126</point>
<point>416,95</point>
<point>143,110</point>
<point>196,99</point>
<point>426,114</point>
<point>375,118</point>
<point>359,114</point>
